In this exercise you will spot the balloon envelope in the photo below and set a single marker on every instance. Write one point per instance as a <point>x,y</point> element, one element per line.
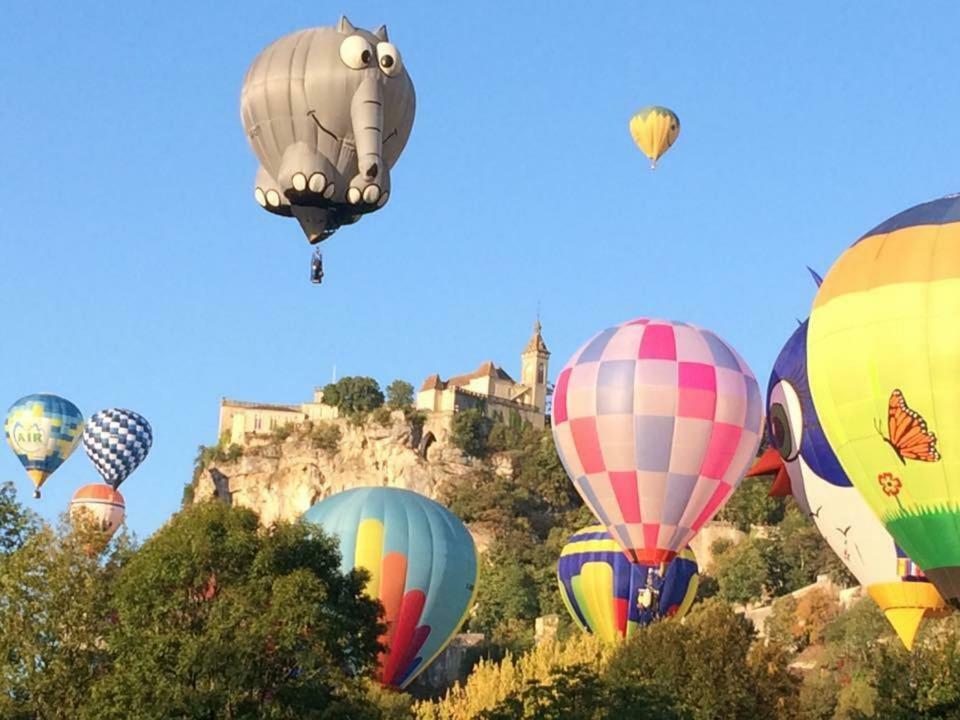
<point>422,564</point>
<point>654,129</point>
<point>99,505</point>
<point>884,360</point>
<point>655,423</point>
<point>603,590</point>
<point>43,430</point>
<point>840,513</point>
<point>117,441</point>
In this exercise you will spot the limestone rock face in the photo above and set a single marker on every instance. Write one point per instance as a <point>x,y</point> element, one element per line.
<point>281,479</point>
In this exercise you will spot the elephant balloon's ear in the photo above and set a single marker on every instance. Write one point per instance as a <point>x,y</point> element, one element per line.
<point>345,27</point>
<point>381,33</point>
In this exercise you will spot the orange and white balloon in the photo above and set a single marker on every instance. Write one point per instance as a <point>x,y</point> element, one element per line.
<point>100,506</point>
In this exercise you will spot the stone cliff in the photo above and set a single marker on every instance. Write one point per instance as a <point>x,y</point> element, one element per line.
<point>281,474</point>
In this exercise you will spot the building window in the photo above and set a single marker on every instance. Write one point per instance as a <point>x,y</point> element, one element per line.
<point>540,374</point>
<point>256,423</point>
<point>273,423</point>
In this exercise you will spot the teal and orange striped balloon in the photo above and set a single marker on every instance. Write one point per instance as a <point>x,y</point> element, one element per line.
<point>611,597</point>
<point>422,564</point>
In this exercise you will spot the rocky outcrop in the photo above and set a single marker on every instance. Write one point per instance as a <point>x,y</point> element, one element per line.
<point>280,478</point>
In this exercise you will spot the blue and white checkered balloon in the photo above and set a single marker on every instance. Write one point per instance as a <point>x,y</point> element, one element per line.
<point>117,441</point>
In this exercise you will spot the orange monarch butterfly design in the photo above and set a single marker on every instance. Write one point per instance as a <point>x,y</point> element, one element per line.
<point>908,434</point>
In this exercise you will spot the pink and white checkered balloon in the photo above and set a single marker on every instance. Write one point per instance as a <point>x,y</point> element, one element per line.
<point>656,423</point>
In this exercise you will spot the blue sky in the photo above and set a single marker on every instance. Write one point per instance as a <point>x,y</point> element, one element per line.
<point>138,271</point>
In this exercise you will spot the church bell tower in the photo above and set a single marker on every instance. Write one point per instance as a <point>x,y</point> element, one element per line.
<point>533,368</point>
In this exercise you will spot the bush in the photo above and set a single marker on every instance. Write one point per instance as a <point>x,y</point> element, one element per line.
<point>471,429</point>
<point>382,416</point>
<point>326,436</point>
<point>282,432</point>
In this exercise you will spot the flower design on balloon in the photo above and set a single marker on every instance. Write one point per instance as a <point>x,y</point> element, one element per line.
<point>890,484</point>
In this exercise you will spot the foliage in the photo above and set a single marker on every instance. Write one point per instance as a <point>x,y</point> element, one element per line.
<point>382,416</point>
<point>353,396</point>
<point>815,611</point>
<point>17,523</point>
<point>399,395</point>
<point>470,431</point>
<point>751,505</point>
<point>282,432</point>
<point>491,683</point>
<point>751,571</point>
<point>54,613</point>
<point>223,451</point>
<point>781,624</point>
<point>708,666</point>
<point>531,513</point>
<point>213,617</point>
<point>326,436</point>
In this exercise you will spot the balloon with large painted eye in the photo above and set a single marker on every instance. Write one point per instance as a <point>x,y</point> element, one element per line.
<point>99,507</point>
<point>422,564</point>
<point>117,441</point>
<point>43,430</point>
<point>884,361</point>
<point>611,597</point>
<point>655,423</point>
<point>327,111</point>
<point>654,129</point>
<point>807,467</point>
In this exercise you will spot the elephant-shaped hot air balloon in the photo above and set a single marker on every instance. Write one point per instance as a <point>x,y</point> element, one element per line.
<point>655,423</point>
<point>884,362</point>
<point>654,129</point>
<point>43,430</point>
<point>799,450</point>
<point>117,441</point>
<point>100,506</point>
<point>422,564</point>
<point>610,596</point>
<point>327,111</point>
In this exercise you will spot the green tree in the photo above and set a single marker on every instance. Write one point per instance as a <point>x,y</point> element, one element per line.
<point>353,396</point>
<point>709,666</point>
<point>470,431</point>
<point>400,395</point>
<point>751,571</point>
<point>17,523</point>
<point>55,610</point>
<point>751,504</point>
<point>215,618</point>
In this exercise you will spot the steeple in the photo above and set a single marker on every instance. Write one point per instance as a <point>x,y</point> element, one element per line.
<point>533,367</point>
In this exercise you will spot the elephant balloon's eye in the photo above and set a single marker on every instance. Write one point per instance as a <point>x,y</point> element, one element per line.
<point>389,58</point>
<point>356,52</point>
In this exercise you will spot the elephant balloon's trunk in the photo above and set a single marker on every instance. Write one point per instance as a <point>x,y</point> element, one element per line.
<point>366,111</point>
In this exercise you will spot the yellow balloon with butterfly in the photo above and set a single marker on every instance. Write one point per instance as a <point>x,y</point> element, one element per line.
<point>884,368</point>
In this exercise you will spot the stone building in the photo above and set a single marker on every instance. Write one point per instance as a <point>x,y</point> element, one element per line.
<point>490,387</point>
<point>240,418</point>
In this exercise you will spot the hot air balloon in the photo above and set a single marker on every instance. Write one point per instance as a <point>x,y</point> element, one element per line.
<point>422,564</point>
<point>654,130</point>
<point>43,430</point>
<point>99,506</point>
<point>655,423</point>
<point>799,450</point>
<point>884,361</point>
<point>327,112</point>
<point>117,441</point>
<point>609,596</point>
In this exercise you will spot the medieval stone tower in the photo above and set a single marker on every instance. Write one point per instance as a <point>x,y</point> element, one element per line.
<point>533,367</point>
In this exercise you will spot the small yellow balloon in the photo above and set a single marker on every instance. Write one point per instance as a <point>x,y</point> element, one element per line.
<point>654,130</point>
